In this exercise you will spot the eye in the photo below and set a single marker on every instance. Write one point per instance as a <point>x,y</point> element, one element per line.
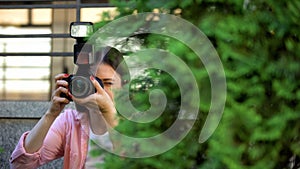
<point>108,83</point>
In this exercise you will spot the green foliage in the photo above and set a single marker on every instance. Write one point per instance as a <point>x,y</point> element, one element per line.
<point>259,45</point>
<point>140,89</point>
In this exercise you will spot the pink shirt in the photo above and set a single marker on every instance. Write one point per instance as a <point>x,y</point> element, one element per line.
<point>67,137</point>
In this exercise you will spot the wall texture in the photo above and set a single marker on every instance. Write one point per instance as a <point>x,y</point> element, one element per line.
<point>16,118</point>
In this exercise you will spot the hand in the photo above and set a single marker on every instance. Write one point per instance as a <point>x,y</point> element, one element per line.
<point>100,103</point>
<point>57,102</point>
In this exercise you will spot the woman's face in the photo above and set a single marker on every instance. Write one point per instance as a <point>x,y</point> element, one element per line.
<point>110,78</point>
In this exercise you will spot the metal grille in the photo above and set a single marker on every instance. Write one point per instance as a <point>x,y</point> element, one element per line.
<point>9,82</point>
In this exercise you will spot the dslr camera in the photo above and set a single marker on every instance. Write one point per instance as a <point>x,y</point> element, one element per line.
<point>80,85</point>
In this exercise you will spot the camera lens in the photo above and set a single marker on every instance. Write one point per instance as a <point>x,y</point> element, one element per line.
<point>81,87</point>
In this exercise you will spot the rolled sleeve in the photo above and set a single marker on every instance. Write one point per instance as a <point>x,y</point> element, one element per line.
<point>25,160</point>
<point>51,149</point>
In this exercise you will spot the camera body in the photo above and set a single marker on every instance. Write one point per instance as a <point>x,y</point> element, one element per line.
<point>80,85</point>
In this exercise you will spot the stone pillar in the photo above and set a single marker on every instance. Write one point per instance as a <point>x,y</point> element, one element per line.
<point>61,22</point>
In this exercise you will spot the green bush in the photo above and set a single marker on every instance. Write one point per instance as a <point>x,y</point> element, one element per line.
<point>259,45</point>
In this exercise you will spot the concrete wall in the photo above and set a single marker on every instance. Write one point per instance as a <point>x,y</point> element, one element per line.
<point>15,119</point>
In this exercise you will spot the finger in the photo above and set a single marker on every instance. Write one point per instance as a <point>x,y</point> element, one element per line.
<point>96,85</point>
<point>61,76</point>
<point>57,99</point>
<point>61,90</point>
<point>61,83</point>
<point>58,78</point>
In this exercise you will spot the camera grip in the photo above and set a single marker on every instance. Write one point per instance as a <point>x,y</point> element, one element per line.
<point>68,79</point>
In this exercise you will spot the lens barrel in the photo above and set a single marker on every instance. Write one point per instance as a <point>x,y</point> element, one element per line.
<point>81,86</point>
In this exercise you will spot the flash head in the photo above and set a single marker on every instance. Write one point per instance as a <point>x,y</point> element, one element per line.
<point>81,29</point>
<point>83,51</point>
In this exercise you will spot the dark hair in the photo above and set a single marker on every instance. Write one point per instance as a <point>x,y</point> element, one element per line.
<point>113,57</point>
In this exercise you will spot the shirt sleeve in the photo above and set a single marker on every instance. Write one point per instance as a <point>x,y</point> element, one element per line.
<point>20,158</point>
<point>102,140</point>
<point>51,149</point>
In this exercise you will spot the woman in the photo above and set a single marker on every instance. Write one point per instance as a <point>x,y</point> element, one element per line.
<point>67,134</point>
